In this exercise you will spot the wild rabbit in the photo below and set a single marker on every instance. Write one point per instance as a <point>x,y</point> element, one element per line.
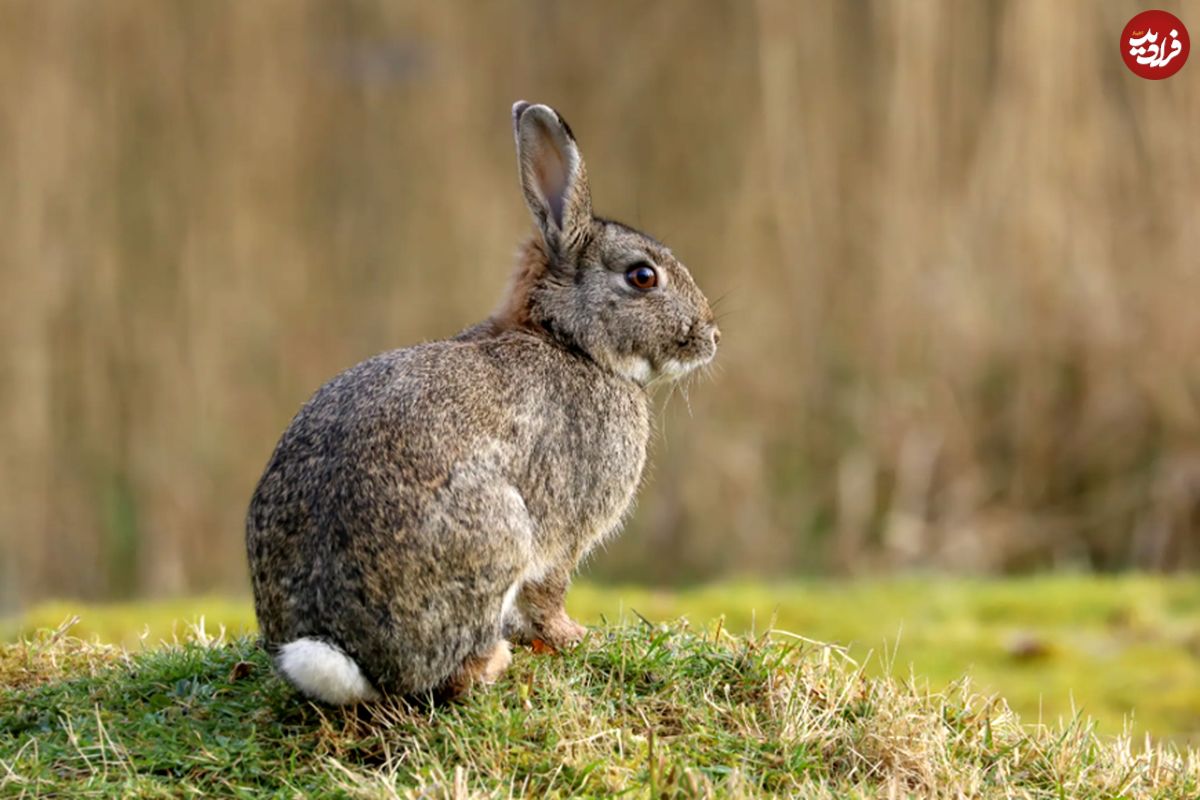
<point>433,500</point>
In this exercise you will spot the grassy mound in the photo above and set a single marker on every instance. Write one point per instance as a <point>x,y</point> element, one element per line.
<point>1123,649</point>
<point>657,710</point>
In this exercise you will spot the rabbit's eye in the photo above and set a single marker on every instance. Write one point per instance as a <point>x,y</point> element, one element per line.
<point>641,276</point>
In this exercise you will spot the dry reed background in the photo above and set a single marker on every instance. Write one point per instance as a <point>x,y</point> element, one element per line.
<point>958,245</point>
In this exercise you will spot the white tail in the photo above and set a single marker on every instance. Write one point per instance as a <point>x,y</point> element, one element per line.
<point>323,672</point>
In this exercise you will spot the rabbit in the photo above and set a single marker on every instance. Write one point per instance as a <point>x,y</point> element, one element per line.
<point>432,502</point>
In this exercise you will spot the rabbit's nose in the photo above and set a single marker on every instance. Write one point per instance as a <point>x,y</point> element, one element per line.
<point>716,335</point>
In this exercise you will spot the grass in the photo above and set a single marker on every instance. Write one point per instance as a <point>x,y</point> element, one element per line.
<point>1124,650</point>
<point>647,710</point>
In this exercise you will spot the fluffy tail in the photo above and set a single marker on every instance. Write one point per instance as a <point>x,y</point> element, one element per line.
<point>323,672</point>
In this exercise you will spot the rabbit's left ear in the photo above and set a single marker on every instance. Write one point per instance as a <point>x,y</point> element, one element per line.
<point>553,177</point>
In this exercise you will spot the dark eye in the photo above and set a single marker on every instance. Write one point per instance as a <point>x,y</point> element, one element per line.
<point>641,276</point>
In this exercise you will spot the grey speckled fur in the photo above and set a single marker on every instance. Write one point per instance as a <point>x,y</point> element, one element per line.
<point>416,490</point>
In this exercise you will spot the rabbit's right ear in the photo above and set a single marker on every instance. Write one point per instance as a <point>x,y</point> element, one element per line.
<point>553,177</point>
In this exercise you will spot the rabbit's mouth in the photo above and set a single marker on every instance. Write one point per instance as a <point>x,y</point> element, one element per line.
<point>695,352</point>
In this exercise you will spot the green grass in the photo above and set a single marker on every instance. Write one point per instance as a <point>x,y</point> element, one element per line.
<point>1124,650</point>
<point>648,710</point>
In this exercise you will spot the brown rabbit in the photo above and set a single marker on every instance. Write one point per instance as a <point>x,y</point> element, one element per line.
<point>432,500</point>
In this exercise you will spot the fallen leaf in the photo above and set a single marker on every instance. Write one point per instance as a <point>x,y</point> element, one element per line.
<point>541,647</point>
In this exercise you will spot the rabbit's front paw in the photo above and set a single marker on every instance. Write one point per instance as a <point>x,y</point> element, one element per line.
<point>561,632</point>
<point>499,660</point>
<point>478,670</point>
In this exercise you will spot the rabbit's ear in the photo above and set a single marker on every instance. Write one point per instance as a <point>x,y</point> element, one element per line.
<point>553,176</point>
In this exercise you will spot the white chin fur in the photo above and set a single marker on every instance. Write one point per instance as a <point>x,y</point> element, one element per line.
<point>637,369</point>
<point>672,368</point>
<point>323,672</point>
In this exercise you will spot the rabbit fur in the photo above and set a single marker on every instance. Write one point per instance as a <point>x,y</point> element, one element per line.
<point>431,501</point>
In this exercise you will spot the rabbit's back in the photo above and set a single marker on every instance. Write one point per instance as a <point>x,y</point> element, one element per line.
<point>422,483</point>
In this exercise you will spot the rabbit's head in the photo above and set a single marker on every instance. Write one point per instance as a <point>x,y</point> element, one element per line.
<point>597,285</point>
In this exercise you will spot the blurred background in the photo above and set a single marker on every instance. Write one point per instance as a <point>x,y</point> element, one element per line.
<point>957,246</point>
